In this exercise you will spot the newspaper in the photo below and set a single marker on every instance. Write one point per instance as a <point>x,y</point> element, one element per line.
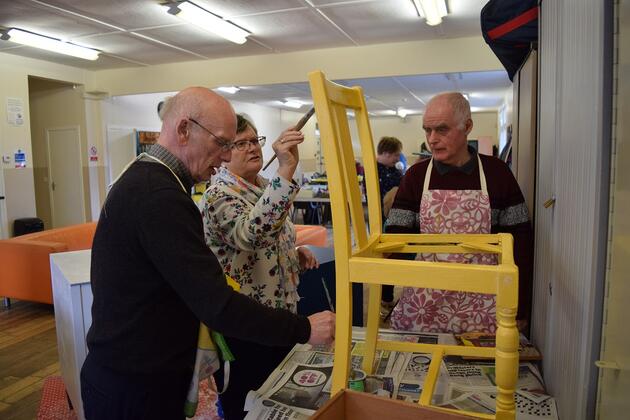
<point>301,383</point>
<point>529,405</point>
<point>482,374</point>
<point>272,410</point>
<point>411,380</point>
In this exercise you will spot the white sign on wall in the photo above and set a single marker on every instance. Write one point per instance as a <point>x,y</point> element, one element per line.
<point>15,111</point>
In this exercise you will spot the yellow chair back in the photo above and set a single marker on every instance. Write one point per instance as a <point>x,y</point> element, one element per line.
<point>364,260</point>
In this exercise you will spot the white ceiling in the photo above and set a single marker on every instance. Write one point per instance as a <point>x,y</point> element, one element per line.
<point>133,33</point>
<point>384,95</point>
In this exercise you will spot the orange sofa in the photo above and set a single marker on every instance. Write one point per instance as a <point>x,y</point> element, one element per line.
<point>25,260</point>
<point>311,235</point>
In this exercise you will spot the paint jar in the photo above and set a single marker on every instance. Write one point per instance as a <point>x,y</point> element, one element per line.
<point>356,382</point>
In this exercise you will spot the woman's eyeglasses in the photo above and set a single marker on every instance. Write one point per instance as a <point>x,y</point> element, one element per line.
<point>243,145</point>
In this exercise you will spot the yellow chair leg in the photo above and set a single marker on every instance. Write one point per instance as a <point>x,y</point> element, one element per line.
<point>371,332</point>
<point>343,335</point>
<point>506,363</point>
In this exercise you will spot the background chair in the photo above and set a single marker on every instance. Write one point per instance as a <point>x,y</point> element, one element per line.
<point>25,260</point>
<point>366,262</point>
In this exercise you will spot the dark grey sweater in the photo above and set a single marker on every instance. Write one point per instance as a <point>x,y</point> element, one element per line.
<point>153,279</point>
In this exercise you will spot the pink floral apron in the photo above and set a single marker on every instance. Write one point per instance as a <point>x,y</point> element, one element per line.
<point>434,310</point>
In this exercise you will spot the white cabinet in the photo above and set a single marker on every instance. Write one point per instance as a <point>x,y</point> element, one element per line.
<point>72,297</point>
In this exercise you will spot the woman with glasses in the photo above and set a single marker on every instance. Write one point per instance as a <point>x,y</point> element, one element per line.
<point>246,225</point>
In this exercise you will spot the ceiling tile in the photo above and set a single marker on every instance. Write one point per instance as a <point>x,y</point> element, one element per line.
<point>201,42</point>
<point>293,31</point>
<point>142,50</point>
<point>33,17</point>
<point>123,13</point>
<point>231,8</point>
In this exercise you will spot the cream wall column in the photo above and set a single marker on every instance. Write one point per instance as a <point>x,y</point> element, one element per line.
<point>96,166</point>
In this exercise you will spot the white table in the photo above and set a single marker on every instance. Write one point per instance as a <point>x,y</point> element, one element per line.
<point>72,296</point>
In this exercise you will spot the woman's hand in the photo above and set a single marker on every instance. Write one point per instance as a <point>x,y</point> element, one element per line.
<point>307,258</point>
<point>286,150</point>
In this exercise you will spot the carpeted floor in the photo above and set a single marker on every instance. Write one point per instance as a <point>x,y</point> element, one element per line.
<point>54,404</point>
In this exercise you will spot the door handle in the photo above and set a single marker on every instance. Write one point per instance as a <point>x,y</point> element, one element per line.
<point>550,202</point>
<point>53,185</point>
<point>605,364</point>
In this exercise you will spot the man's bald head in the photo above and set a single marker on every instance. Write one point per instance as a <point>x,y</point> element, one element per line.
<point>197,103</point>
<point>199,144</point>
<point>458,104</point>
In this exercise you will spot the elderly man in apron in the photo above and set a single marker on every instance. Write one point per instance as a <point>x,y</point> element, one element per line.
<point>459,191</point>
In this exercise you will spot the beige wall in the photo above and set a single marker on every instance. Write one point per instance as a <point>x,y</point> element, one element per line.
<point>409,130</point>
<point>19,183</point>
<point>485,125</point>
<point>54,105</point>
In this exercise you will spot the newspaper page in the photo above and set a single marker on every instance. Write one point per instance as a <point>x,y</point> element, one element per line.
<point>529,405</point>
<point>413,376</point>
<point>305,388</point>
<point>272,410</point>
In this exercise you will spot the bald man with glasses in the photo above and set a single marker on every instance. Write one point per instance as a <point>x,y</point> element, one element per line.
<point>154,279</point>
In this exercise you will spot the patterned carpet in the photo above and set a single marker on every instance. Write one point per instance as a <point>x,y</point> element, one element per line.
<point>54,404</point>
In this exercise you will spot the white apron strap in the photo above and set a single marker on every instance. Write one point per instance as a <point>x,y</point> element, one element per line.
<point>137,158</point>
<point>427,177</point>
<point>482,177</point>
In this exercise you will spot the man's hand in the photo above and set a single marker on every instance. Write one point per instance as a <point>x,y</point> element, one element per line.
<point>322,328</point>
<point>307,258</point>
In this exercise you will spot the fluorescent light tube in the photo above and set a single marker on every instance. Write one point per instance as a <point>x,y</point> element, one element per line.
<point>402,113</point>
<point>292,104</point>
<point>210,22</point>
<point>432,10</point>
<point>229,89</point>
<point>50,44</point>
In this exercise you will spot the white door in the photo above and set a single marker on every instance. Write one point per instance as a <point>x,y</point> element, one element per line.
<point>3,209</point>
<point>121,149</point>
<point>67,202</point>
<point>614,375</point>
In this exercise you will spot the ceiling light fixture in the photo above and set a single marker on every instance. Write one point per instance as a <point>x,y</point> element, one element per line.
<point>229,89</point>
<point>402,113</point>
<point>208,21</point>
<point>292,103</point>
<point>50,44</point>
<point>432,10</point>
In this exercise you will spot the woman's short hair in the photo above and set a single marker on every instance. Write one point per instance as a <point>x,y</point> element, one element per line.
<point>163,106</point>
<point>243,123</point>
<point>389,145</point>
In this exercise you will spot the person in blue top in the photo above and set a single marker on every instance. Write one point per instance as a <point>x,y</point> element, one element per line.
<point>388,152</point>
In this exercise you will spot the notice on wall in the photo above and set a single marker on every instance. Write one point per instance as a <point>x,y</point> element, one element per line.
<point>15,111</point>
<point>20,158</point>
<point>93,154</point>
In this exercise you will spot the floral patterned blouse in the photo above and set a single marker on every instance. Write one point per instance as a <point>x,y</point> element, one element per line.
<point>247,228</point>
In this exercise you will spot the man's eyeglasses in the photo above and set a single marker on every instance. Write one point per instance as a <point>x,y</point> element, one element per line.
<point>225,144</point>
<point>243,145</point>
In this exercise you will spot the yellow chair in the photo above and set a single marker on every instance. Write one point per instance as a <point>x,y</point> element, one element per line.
<point>365,262</point>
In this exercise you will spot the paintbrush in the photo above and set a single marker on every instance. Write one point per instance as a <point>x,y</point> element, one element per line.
<point>328,298</point>
<point>298,127</point>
